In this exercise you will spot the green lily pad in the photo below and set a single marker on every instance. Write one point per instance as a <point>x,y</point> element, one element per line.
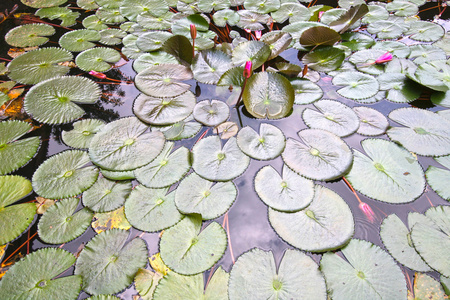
<point>52,101</point>
<point>255,276</point>
<point>265,145</point>
<point>402,8</point>
<point>319,36</point>
<point>357,41</point>
<point>79,40</point>
<point>306,91</point>
<point>64,175</point>
<point>356,85</point>
<point>35,277</point>
<point>209,65</point>
<point>268,95</point>
<point>251,20</point>
<point>152,41</point>
<point>426,235</point>
<point>438,178</point>
<point>425,287</point>
<point>187,250</point>
<point>441,98</point>
<point>262,6</point>
<point>106,195</point>
<point>255,51</point>
<point>371,121</point>
<point>14,219</point>
<point>234,77</point>
<point>196,195</point>
<point>425,133</point>
<point>397,49</point>
<point>29,35</point>
<point>110,15</point>
<point>98,59</point>
<point>118,175</point>
<point>207,6</point>
<point>395,178</point>
<point>364,60</point>
<point>124,145</point>
<point>324,59</point>
<point>214,162</point>
<point>349,18</point>
<point>333,116</point>
<point>164,111</point>
<point>385,29</point>
<point>109,3</point>
<point>289,193</point>
<point>211,113</point>
<point>376,13</point>
<point>109,262</point>
<point>82,133</point>
<point>87,4</point>
<point>397,240</point>
<point>225,16</point>
<point>399,88</point>
<point>148,21</point>
<point>326,224</point>
<point>94,23</point>
<point>367,271</point>
<point>181,130</point>
<point>293,11</point>
<point>130,9</point>
<point>38,65</point>
<point>165,80</point>
<point>68,17</point>
<point>43,3</point>
<point>112,36</point>
<point>278,41</point>
<point>434,75</point>
<point>146,282</point>
<point>151,59</point>
<point>61,224</point>
<point>423,53</point>
<point>166,169</point>
<point>151,210</point>
<point>319,155</point>
<point>180,47</point>
<point>425,31</point>
<point>15,153</point>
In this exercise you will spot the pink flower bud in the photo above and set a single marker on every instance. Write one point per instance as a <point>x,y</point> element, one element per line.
<point>247,30</point>
<point>384,58</point>
<point>320,14</point>
<point>193,31</point>
<point>97,74</point>
<point>367,210</point>
<point>248,69</point>
<point>258,34</point>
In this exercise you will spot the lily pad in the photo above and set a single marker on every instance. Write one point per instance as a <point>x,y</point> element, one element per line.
<point>265,145</point>
<point>357,41</point>
<point>118,175</point>
<point>109,262</point>
<point>319,155</point>
<point>151,210</point>
<point>82,133</point>
<point>326,224</point>
<point>333,116</point>
<point>181,130</point>
<point>125,145</point>
<point>371,121</point>
<point>106,195</point>
<point>425,133</point>
<point>15,153</point>
<point>29,35</point>
<point>425,287</point>
<point>367,271</point>
<point>180,47</point>
<point>164,111</point>
<point>251,20</point>
<point>152,41</point>
<point>402,8</point>
<point>43,3</point>
<point>110,220</point>
<point>255,51</point>
<point>349,18</point>
<point>61,224</point>
<point>14,219</point>
<point>262,6</point>
<point>319,36</point>
<point>211,113</point>
<point>38,65</point>
<point>385,29</point>
<point>364,61</point>
<point>357,86</point>
<point>289,193</point>
<point>438,178</point>
<point>52,101</point>
<point>396,177</point>
<point>425,31</point>
<point>148,21</point>
<point>110,15</point>
<point>225,16</point>
<point>67,16</point>
<point>98,59</point>
<point>293,11</point>
<point>324,59</point>
<point>232,77</point>
<point>165,80</point>
<point>196,195</point>
<point>94,23</point>
<point>434,75</point>
<point>130,9</point>
<point>151,59</point>
<point>209,65</point>
<point>397,49</point>
<point>255,276</point>
<point>79,40</point>
<point>35,277</point>
<point>306,91</point>
<point>166,169</point>
<point>399,88</point>
<point>214,162</point>
<point>187,250</point>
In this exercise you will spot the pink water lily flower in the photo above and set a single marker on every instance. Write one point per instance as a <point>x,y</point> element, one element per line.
<point>193,32</point>
<point>367,210</point>
<point>384,58</point>
<point>258,34</point>
<point>248,69</point>
<point>97,74</point>
<point>320,15</point>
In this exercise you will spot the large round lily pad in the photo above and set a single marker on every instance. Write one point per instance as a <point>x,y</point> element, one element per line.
<point>326,224</point>
<point>265,145</point>
<point>109,262</point>
<point>82,133</point>
<point>357,86</point>
<point>97,59</point>
<point>211,113</point>
<point>106,195</point>
<point>371,121</point>
<point>29,35</point>
<point>209,65</point>
<point>79,40</point>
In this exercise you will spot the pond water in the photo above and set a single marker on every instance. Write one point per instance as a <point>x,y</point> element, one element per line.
<point>248,222</point>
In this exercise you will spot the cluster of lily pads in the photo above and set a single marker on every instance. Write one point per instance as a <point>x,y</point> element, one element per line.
<point>135,170</point>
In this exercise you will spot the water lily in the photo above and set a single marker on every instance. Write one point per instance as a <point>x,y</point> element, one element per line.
<point>193,36</point>
<point>320,15</point>
<point>367,210</point>
<point>97,74</point>
<point>248,69</point>
<point>384,58</point>
<point>258,34</point>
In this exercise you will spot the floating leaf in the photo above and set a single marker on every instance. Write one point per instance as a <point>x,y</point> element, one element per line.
<point>29,35</point>
<point>324,59</point>
<point>52,101</point>
<point>423,53</point>
<point>180,47</point>
<point>130,9</point>
<point>425,287</point>
<point>63,175</point>
<point>296,29</point>
<point>402,8</point>
<point>262,6</point>
<point>106,195</point>
<point>255,276</point>
<point>357,41</point>
<point>396,177</point>
<point>357,86</point>
<point>333,116</point>
<point>118,175</point>
<point>367,271</point>
<point>196,195</point>
<point>251,20</point>
<point>151,209</point>
<point>145,282</point>
<point>399,88</point>
<point>265,145</point>
<point>109,220</point>
<point>98,59</point>
<point>288,193</point>
<point>255,51</point>
<point>425,133</point>
<point>68,17</point>
<point>87,4</point>
<point>151,59</point>
<point>94,23</point>
<point>82,133</point>
<point>148,21</point>
<point>364,61</point>
<point>209,65</point>
<point>38,65</point>
<point>109,15</point>
<point>350,17</point>
<point>226,130</point>
<point>153,40</point>
<point>225,16</point>
<point>293,11</point>
<point>371,121</point>
<point>319,155</point>
<point>306,92</point>
<point>14,219</point>
<point>79,40</point>
<point>15,153</point>
<point>397,49</point>
<point>211,113</point>
<point>35,277</point>
<point>438,178</point>
<point>109,262</point>
<point>319,36</point>
<point>166,169</point>
<point>181,130</point>
<point>165,80</point>
<point>187,250</point>
<point>125,145</point>
<point>232,77</point>
<point>43,3</point>
<point>61,224</point>
<point>425,31</point>
<point>385,29</point>
<point>213,162</point>
<point>434,75</point>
